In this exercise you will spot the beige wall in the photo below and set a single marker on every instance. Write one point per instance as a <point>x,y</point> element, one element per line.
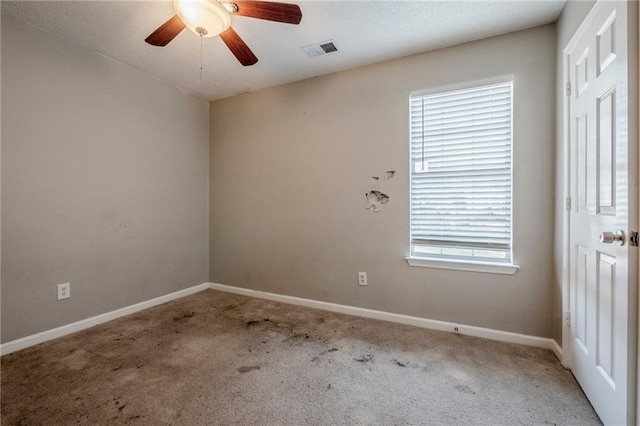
<point>104,183</point>
<point>569,21</point>
<point>290,166</point>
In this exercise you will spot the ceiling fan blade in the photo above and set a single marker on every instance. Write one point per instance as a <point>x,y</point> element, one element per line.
<point>238,47</point>
<point>271,11</point>
<point>166,32</point>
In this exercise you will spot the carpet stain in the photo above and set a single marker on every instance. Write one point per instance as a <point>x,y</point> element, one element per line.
<point>230,307</point>
<point>364,359</point>
<point>465,389</point>
<point>296,337</point>
<point>247,368</point>
<point>256,322</point>
<point>184,316</point>
<point>317,357</point>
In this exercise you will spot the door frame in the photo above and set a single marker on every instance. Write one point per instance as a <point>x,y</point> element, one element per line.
<point>633,37</point>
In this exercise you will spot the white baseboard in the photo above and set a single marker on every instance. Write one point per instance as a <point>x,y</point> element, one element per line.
<point>34,339</point>
<point>555,347</point>
<point>468,330</point>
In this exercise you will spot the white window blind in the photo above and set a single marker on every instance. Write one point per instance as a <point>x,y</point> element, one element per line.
<point>461,173</point>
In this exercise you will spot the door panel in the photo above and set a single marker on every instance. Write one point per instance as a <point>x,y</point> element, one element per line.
<point>606,153</point>
<point>605,321</point>
<point>580,292</point>
<point>601,287</point>
<point>583,171</point>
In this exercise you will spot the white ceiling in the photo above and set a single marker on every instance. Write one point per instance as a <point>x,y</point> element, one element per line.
<point>365,32</point>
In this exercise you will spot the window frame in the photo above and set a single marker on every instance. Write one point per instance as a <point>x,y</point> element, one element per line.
<point>470,264</point>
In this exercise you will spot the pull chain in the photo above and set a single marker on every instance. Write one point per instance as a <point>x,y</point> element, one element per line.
<point>200,56</point>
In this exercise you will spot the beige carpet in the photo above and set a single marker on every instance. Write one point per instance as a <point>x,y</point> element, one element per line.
<point>216,358</point>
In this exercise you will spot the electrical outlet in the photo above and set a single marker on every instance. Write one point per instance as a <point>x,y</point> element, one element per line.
<point>362,278</point>
<point>64,291</point>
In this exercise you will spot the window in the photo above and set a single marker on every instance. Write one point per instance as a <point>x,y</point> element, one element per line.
<point>461,174</point>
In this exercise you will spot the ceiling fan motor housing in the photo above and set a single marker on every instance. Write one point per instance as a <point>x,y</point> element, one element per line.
<point>206,18</point>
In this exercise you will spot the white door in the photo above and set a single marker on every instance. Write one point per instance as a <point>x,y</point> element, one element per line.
<point>603,161</point>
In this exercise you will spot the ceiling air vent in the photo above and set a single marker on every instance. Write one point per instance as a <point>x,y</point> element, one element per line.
<point>320,49</point>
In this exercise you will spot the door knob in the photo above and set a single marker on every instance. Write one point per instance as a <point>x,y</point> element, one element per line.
<point>611,237</point>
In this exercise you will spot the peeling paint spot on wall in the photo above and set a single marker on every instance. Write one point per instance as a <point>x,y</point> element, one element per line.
<point>375,199</point>
<point>375,182</point>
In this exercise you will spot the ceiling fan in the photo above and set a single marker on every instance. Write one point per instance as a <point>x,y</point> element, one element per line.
<point>209,18</point>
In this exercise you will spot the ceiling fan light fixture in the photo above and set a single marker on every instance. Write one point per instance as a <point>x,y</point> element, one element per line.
<point>207,18</point>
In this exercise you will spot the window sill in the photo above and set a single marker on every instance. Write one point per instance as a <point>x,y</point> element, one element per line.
<point>459,265</point>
